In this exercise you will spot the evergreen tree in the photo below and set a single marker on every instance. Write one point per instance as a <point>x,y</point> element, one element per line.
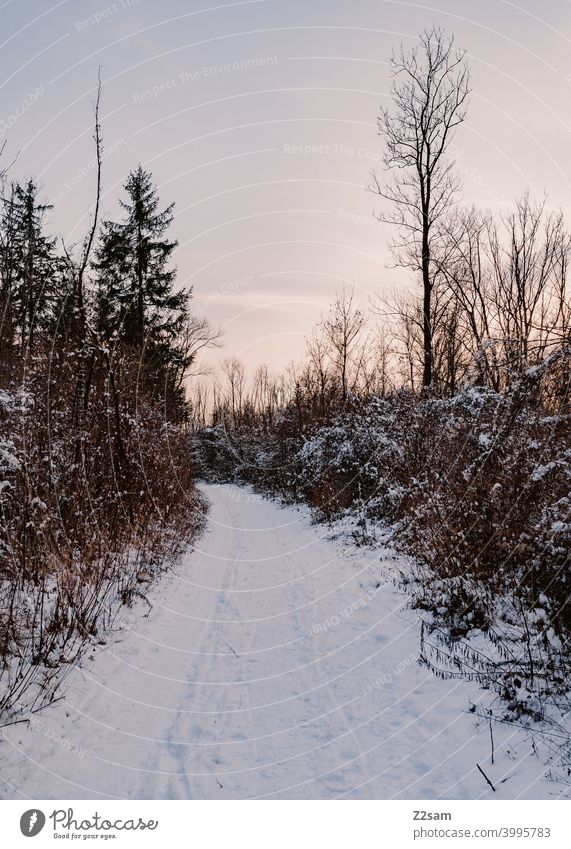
<point>136,299</point>
<point>136,304</point>
<point>29,266</point>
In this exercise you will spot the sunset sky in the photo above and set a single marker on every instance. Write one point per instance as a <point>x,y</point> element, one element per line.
<point>258,118</point>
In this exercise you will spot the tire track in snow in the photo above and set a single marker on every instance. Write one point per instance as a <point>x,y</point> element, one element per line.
<point>227,691</point>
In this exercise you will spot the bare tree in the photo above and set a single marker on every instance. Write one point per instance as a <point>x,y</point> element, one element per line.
<point>78,269</point>
<point>466,274</point>
<point>509,284</point>
<point>83,332</point>
<point>319,371</point>
<point>342,329</point>
<point>234,372</point>
<point>197,335</point>
<point>264,396</point>
<point>529,271</point>
<point>430,92</point>
<point>199,402</point>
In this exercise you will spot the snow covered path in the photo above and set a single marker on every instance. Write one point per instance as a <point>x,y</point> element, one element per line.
<point>272,664</point>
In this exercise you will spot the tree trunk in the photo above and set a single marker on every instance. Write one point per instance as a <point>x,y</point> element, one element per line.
<point>426,308</point>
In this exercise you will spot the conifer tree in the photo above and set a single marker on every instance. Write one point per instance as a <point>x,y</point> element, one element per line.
<point>137,305</point>
<point>136,286</point>
<point>29,266</point>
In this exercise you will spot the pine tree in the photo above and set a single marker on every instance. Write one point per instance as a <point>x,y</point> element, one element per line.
<point>7,236</point>
<point>137,306</point>
<point>29,266</point>
<point>136,293</point>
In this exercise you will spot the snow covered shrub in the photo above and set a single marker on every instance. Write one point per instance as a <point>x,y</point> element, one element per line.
<point>96,486</point>
<point>216,454</point>
<point>475,486</point>
<point>350,461</point>
<point>87,508</point>
<point>491,530</point>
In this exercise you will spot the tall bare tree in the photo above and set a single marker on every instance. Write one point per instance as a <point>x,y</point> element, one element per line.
<point>431,84</point>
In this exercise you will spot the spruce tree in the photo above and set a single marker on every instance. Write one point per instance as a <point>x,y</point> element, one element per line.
<point>137,305</point>
<point>29,266</point>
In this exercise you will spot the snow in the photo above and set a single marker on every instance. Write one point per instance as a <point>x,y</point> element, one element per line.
<point>276,662</point>
<point>541,471</point>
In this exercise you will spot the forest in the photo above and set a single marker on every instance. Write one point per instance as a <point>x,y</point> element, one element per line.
<point>97,492</point>
<point>436,419</point>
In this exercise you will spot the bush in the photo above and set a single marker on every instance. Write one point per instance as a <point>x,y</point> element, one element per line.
<point>475,486</point>
<point>91,512</point>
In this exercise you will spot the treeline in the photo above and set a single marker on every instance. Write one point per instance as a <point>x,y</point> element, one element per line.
<point>96,488</point>
<point>441,416</point>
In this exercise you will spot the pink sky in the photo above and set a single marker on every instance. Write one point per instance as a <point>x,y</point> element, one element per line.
<point>259,119</point>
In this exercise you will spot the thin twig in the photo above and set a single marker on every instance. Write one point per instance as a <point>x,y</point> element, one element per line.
<point>486,777</point>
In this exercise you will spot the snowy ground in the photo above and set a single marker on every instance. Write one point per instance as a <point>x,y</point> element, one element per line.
<point>271,665</point>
